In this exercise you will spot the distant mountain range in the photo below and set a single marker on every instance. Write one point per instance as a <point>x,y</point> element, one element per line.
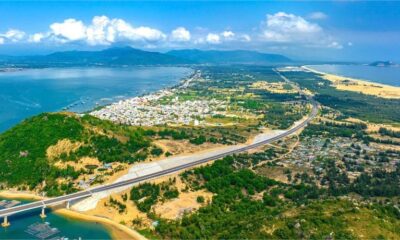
<point>237,56</point>
<point>130,56</point>
<point>109,57</point>
<point>383,64</point>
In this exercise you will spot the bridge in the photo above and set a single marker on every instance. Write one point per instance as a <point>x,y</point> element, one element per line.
<point>66,199</point>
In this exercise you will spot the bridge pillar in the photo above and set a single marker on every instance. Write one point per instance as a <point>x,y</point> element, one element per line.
<point>43,213</point>
<point>5,223</point>
<point>68,204</point>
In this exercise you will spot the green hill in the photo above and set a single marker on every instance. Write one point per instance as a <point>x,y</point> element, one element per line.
<point>25,162</point>
<point>114,56</point>
<point>127,56</point>
<point>118,56</point>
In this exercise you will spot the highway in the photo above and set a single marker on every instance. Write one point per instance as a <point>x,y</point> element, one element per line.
<point>88,193</point>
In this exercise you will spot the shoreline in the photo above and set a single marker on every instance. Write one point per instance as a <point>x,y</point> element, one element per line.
<point>19,195</point>
<point>91,105</point>
<point>358,85</point>
<point>116,230</point>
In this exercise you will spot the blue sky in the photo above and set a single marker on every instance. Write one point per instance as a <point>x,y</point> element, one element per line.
<point>337,30</point>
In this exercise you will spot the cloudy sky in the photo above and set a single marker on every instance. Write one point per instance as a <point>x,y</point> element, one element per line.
<point>338,30</point>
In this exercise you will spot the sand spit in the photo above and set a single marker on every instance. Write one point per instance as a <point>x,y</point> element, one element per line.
<point>359,85</point>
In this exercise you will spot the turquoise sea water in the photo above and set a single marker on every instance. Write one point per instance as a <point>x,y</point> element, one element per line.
<point>29,92</point>
<point>384,75</point>
<point>32,91</point>
<point>67,227</point>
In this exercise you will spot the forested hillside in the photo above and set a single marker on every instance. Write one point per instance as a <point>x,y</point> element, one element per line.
<point>24,149</point>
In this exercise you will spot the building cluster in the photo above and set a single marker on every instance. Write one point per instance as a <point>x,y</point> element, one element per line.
<point>351,153</point>
<point>149,110</point>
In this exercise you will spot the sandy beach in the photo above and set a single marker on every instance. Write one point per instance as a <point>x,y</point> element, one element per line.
<point>117,231</point>
<point>19,195</point>
<point>86,209</point>
<point>359,85</point>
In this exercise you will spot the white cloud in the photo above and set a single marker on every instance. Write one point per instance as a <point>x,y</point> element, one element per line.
<point>213,38</point>
<point>284,27</point>
<point>180,34</point>
<point>228,34</point>
<point>36,38</point>
<point>124,31</point>
<point>349,44</point>
<point>335,44</point>
<point>13,35</point>
<point>289,29</point>
<point>245,38</point>
<point>69,30</point>
<point>317,16</point>
<point>149,34</point>
<point>99,32</point>
<point>102,31</point>
<point>199,40</point>
<point>217,38</point>
<point>278,29</point>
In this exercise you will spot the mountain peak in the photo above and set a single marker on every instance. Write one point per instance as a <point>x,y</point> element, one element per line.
<point>126,55</point>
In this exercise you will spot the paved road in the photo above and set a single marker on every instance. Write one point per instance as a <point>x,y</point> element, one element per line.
<point>87,193</point>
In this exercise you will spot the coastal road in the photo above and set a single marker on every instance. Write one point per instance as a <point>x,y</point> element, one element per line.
<point>88,193</point>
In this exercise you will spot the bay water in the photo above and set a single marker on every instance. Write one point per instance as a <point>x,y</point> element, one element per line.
<point>384,75</point>
<point>32,91</point>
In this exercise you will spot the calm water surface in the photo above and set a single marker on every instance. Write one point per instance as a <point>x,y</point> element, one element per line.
<point>67,227</point>
<point>30,92</point>
<point>384,75</point>
<point>33,91</point>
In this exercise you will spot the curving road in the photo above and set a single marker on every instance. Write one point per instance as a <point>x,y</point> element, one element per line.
<point>88,193</point>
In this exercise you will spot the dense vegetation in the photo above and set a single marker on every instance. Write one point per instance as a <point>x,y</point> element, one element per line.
<point>387,132</point>
<point>280,110</point>
<point>349,130</point>
<point>377,183</point>
<point>331,129</point>
<point>147,194</point>
<point>117,56</point>
<point>23,149</point>
<point>305,211</point>
<point>123,56</point>
<point>316,206</point>
<point>351,104</point>
<point>198,136</point>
